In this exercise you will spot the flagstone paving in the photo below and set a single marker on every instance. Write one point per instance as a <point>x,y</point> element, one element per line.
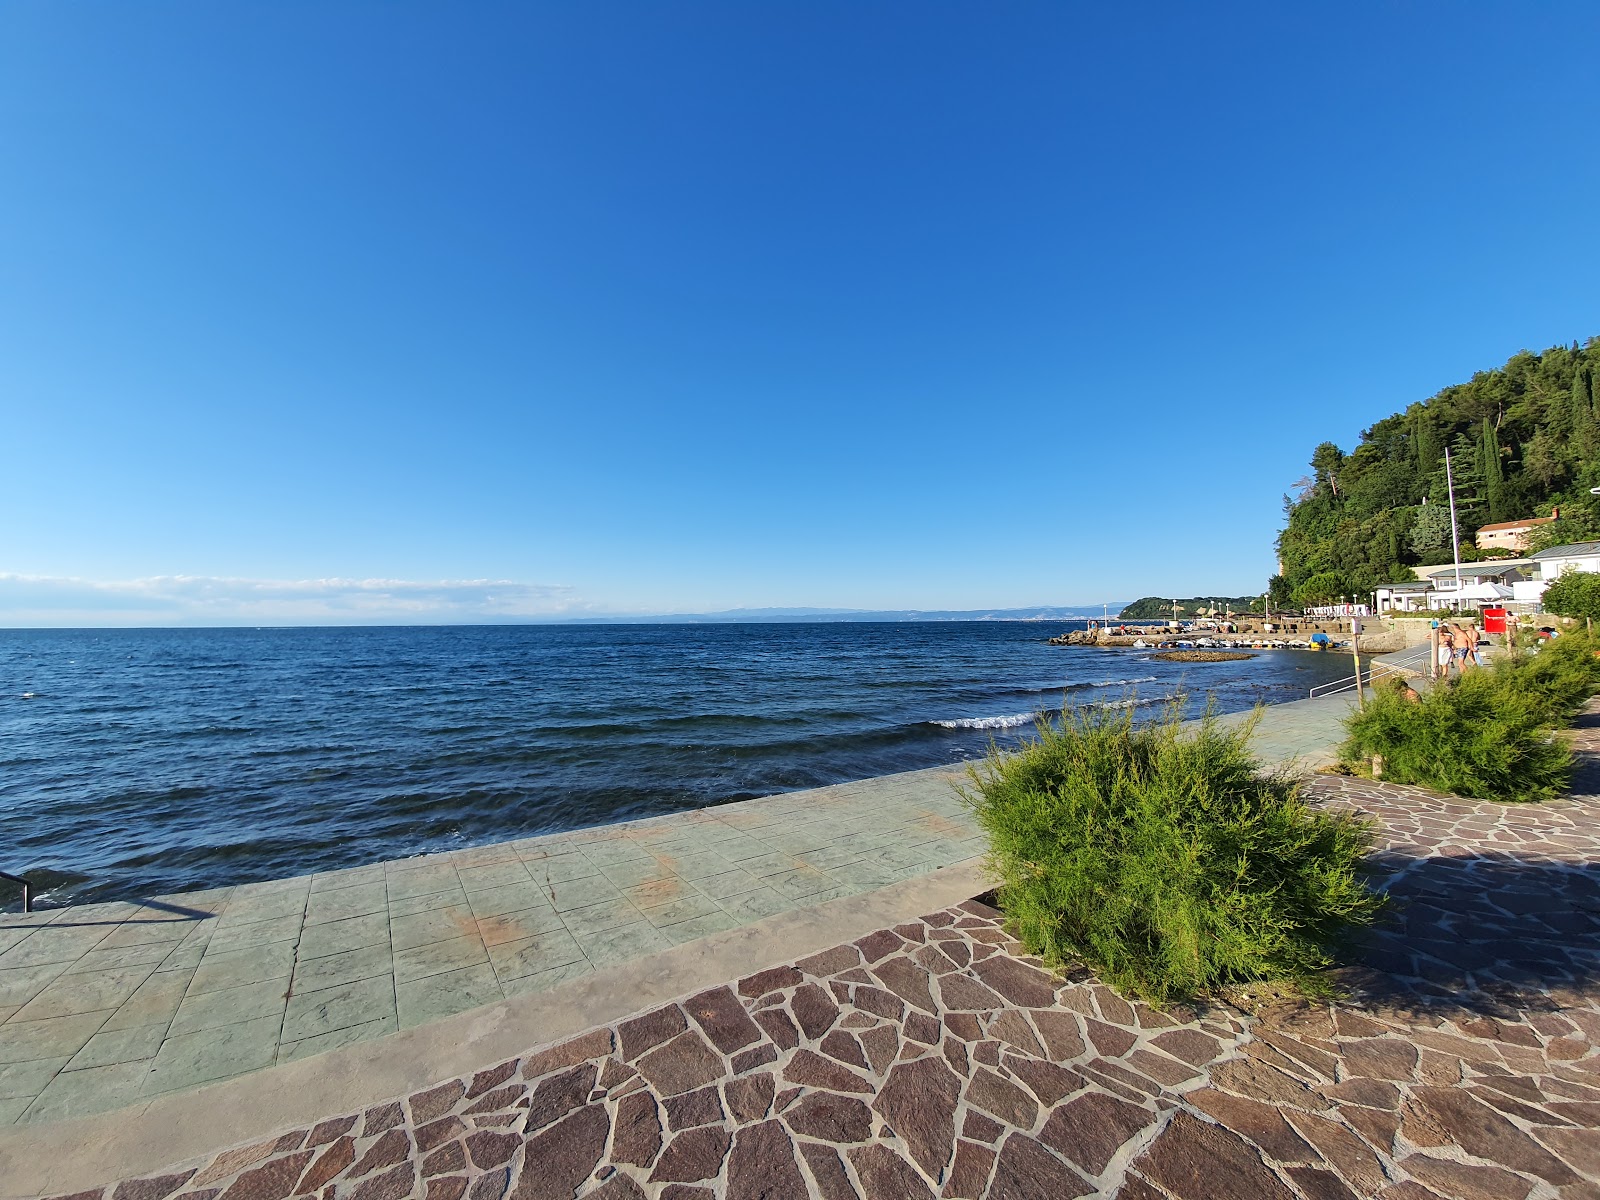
<point>103,1005</point>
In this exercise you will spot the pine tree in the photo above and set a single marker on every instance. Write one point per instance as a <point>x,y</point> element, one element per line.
<point>1431,530</point>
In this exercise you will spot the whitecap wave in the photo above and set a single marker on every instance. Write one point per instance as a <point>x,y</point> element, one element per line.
<point>1010,722</point>
<point>1121,682</point>
<point>1132,702</point>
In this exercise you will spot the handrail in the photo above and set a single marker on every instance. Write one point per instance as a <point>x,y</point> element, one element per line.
<point>1379,670</point>
<point>27,889</point>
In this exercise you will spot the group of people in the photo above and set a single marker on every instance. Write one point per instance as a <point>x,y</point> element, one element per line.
<point>1458,646</point>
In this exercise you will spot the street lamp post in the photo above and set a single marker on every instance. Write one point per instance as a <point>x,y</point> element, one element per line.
<point>1455,536</point>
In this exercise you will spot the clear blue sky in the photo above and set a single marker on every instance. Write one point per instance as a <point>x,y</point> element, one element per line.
<point>653,307</point>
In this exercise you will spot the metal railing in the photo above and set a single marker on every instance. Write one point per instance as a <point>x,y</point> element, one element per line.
<point>1412,664</point>
<point>27,889</point>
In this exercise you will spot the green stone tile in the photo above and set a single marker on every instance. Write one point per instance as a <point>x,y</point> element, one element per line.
<point>407,906</point>
<point>53,944</point>
<point>443,995</point>
<point>769,864</point>
<point>236,968</point>
<point>608,914</point>
<point>68,995</point>
<point>514,927</point>
<point>314,974</point>
<point>18,985</point>
<point>207,900</point>
<point>694,905</point>
<point>729,883</point>
<point>756,905</point>
<point>352,933</point>
<point>53,1037</point>
<point>699,927</point>
<point>634,871</point>
<point>332,881</point>
<point>254,910</point>
<point>335,1039</point>
<point>20,1080</point>
<point>104,959</point>
<point>493,875</point>
<point>421,929</point>
<point>515,897</point>
<point>534,955</point>
<point>231,1006</point>
<point>10,937</point>
<point>12,1110</point>
<point>581,893</point>
<point>187,956</point>
<point>742,848</point>
<point>830,856</point>
<point>425,881</point>
<point>191,1059</point>
<point>358,900</point>
<point>81,1093</point>
<point>436,958</point>
<point>155,1002</point>
<point>702,865</point>
<point>358,1002</point>
<point>660,891</point>
<point>607,946</point>
<point>614,850</point>
<point>257,933</point>
<point>541,981</point>
<point>560,868</point>
<point>491,855</point>
<point>798,885</point>
<point>111,1047</point>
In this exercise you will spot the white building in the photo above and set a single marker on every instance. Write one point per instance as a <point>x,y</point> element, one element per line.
<point>1581,556</point>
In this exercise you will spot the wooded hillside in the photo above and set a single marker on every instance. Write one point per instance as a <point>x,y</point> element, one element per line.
<point>1523,438</point>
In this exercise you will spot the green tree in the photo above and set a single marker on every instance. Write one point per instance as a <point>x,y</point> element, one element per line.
<point>1574,594</point>
<point>1543,461</point>
<point>1523,438</point>
<point>1431,530</point>
<point>1327,460</point>
<point>1489,467</point>
<point>1324,588</point>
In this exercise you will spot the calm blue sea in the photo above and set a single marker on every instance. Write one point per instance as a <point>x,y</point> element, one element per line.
<point>151,761</point>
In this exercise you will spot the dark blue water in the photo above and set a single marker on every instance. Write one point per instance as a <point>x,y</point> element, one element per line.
<point>153,761</point>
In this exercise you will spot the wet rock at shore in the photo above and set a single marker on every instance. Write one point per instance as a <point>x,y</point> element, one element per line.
<point>1201,655</point>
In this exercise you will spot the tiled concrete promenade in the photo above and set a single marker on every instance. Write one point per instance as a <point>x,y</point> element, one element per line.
<point>103,1005</point>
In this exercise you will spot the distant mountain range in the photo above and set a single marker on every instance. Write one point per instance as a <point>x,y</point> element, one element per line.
<point>1042,612</point>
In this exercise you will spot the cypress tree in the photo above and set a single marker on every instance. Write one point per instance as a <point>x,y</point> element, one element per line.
<point>1489,467</point>
<point>1580,416</point>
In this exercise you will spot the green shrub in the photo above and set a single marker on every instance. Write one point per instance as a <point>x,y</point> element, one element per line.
<point>1167,859</point>
<point>1486,735</point>
<point>1574,594</point>
<point>1562,676</point>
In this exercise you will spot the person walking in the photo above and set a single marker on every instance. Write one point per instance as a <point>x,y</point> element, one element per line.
<point>1473,639</point>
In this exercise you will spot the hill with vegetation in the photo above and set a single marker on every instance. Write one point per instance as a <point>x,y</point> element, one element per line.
<point>1523,439</point>
<point>1155,608</point>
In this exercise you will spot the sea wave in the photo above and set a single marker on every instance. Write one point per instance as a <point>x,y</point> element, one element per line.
<point>1010,722</point>
<point>1132,702</point>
